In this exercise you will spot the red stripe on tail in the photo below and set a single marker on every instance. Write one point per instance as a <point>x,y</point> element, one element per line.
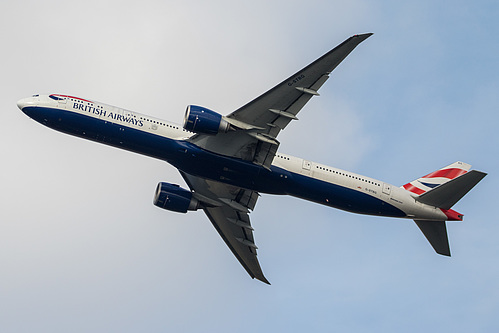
<point>447,173</point>
<point>413,189</point>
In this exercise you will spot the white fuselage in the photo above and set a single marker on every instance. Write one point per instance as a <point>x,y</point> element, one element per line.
<point>119,127</point>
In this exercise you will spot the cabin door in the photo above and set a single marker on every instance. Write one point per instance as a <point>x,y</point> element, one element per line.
<point>386,188</point>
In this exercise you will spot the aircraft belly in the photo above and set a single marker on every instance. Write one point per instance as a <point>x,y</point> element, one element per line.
<point>206,164</point>
<point>282,182</point>
<point>341,197</point>
<point>202,163</point>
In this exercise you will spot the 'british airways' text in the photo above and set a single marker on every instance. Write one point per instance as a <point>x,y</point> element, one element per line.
<point>103,113</point>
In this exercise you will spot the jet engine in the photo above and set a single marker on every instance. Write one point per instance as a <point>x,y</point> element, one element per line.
<point>202,120</point>
<point>173,197</point>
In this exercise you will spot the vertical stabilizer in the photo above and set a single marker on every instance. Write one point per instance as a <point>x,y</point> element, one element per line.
<point>436,178</point>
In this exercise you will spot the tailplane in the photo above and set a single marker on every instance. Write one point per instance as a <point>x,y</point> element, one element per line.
<point>436,233</point>
<point>447,194</point>
<point>442,189</point>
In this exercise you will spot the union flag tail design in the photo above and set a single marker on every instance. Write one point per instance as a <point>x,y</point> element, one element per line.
<point>442,189</point>
<point>436,178</point>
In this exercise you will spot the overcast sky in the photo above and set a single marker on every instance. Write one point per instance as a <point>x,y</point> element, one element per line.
<point>83,249</point>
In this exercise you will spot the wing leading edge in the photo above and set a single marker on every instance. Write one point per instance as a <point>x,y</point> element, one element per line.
<point>259,122</point>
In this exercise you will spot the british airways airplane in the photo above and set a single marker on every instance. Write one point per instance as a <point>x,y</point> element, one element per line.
<point>227,161</point>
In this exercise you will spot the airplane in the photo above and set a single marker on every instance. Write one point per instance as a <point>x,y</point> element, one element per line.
<point>227,161</point>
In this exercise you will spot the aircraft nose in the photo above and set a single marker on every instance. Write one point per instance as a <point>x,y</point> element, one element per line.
<point>25,102</point>
<point>21,103</point>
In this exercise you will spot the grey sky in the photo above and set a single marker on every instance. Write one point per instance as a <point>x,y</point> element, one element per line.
<point>83,249</point>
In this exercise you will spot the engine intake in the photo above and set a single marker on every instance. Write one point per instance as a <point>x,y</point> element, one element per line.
<point>173,197</point>
<point>202,120</point>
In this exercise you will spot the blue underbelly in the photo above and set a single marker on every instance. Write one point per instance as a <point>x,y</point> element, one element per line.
<point>196,161</point>
<point>337,196</point>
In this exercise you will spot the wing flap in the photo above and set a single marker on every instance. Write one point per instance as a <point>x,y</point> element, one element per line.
<point>265,153</point>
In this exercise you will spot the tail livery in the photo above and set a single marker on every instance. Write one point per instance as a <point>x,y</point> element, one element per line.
<point>442,189</point>
<point>439,177</point>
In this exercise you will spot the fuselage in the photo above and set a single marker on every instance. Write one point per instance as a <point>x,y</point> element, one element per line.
<point>166,141</point>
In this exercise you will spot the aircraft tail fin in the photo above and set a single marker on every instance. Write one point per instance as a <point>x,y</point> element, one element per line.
<point>442,189</point>
<point>436,178</point>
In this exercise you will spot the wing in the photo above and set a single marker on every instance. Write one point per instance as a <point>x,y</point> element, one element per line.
<point>228,207</point>
<point>259,122</point>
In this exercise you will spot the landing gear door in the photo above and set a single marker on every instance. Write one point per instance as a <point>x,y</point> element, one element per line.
<point>387,188</point>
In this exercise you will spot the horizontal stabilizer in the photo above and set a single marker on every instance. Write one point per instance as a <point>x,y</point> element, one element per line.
<point>447,194</point>
<point>436,233</point>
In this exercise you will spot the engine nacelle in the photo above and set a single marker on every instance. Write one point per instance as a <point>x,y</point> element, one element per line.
<point>173,197</point>
<point>202,120</point>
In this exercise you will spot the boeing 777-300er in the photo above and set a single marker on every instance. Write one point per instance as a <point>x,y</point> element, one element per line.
<point>228,160</point>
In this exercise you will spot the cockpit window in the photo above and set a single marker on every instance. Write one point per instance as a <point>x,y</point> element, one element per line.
<point>36,95</point>
<point>54,97</point>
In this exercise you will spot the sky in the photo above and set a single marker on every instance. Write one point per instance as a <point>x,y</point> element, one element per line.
<point>83,249</point>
